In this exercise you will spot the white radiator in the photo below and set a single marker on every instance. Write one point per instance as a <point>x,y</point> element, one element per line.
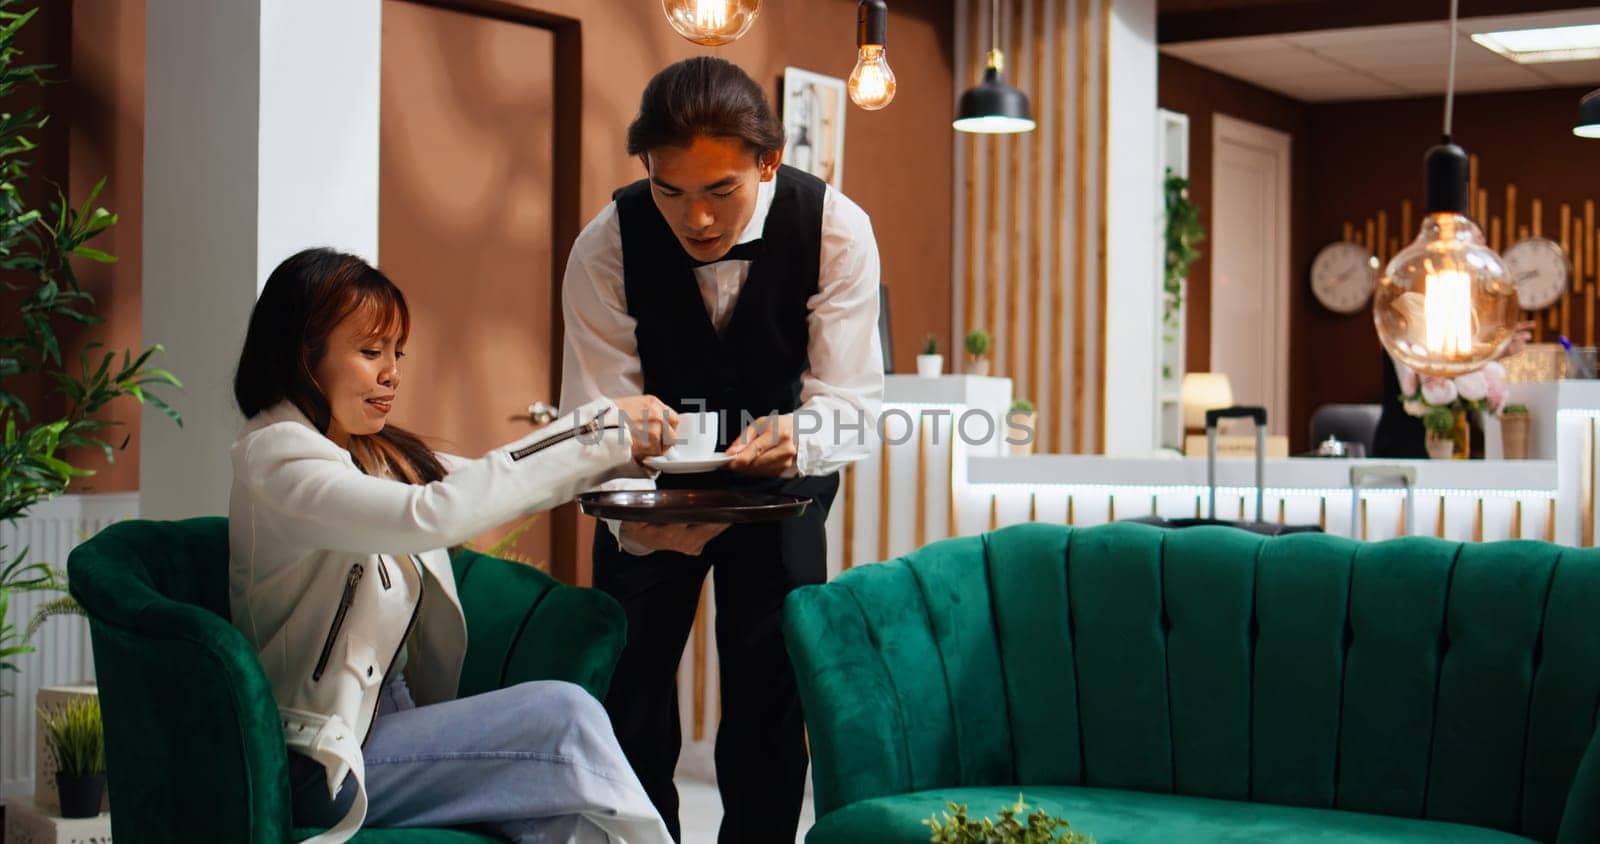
<point>63,655</point>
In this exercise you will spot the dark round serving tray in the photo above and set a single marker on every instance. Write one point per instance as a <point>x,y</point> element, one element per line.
<point>691,506</point>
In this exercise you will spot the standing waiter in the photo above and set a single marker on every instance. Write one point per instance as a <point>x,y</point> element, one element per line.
<point>728,280</point>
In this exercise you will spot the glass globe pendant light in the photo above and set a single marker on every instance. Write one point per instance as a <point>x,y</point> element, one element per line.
<point>711,23</point>
<point>872,82</point>
<point>1446,305</point>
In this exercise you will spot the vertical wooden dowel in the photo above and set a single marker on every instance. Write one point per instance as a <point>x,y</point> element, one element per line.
<point>1406,231</point>
<point>1588,238</point>
<point>1538,218</point>
<point>1474,206</point>
<point>1511,209</point>
<point>1322,512</point>
<point>1438,526</point>
<point>1111,507</point>
<point>1477,523</point>
<point>1588,315</point>
<point>1383,237</point>
<point>700,667</point>
<point>921,530</point>
<point>1372,238</point>
<point>1058,244</point>
<point>1363,520</point>
<point>1072,516</point>
<point>1494,234</point>
<point>1516,518</point>
<point>1033,506</point>
<point>994,512</point>
<point>1483,207</point>
<point>1349,232</point>
<point>849,549</point>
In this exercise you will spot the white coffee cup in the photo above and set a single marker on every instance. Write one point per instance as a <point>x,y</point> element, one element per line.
<point>697,437</point>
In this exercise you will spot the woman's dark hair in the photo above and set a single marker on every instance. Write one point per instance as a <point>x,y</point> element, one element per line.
<point>308,295</point>
<point>704,96</point>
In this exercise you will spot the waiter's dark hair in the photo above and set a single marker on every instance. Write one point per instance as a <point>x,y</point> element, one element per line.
<point>306,296</point>
<point>704,96</point>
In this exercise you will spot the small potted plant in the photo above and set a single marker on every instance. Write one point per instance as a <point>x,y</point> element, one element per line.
<point>1440,425</point>
<point>1514,432</point>
<point>1022,423</point>
<point>978,343</point>
<point>1015,826</point>
<point>77,742</point>
<point>930,364</point>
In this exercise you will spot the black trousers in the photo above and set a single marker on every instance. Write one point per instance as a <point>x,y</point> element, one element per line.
<point>760,750</point>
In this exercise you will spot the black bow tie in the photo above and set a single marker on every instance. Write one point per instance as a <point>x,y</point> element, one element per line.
<point>748,251</point>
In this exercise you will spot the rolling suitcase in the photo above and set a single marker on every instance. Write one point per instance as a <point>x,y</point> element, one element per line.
<point>1257,525</point>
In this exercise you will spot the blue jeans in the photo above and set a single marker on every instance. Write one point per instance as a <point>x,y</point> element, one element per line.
<point>536,762</point>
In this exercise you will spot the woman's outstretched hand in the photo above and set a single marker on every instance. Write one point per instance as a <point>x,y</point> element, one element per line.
<point>652,423</point>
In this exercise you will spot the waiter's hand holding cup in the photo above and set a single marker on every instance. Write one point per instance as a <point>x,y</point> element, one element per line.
<point>652,424</point>
<point>766,448</point>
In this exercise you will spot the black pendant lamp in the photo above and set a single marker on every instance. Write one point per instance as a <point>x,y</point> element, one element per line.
<point>1588,125</point>
<point>993,107</point>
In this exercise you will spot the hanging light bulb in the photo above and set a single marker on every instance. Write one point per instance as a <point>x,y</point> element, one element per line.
<point>711,23</point>
<point>993,107</point>
<point>1446,305</point>
<point>872,82</point>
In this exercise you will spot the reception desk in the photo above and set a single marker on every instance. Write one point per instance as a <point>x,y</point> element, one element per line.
<point>928,482</point>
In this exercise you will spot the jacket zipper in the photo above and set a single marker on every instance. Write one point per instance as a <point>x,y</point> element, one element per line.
<point>593,426</point>
<point>422,585</point>
<point>345,601</point>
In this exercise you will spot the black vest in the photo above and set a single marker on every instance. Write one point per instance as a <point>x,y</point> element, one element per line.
<point>755,366</point>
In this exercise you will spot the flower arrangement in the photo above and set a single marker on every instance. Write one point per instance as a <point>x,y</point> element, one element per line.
<point>1483,391</point>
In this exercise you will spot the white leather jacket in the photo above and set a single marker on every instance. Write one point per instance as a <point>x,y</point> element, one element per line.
<point>330,569</point>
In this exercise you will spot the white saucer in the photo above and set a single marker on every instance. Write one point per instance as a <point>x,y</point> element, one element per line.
<point>687,467</point>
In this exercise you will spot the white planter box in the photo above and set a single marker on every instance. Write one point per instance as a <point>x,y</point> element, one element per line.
<point>26,823</point>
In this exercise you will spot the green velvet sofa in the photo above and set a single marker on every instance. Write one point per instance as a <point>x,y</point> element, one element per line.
<point>1208,685</point>
<point>194,749</point>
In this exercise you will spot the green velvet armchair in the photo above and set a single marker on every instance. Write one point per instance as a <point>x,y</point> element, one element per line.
<point>1208,685</point>
<point>193,745</point>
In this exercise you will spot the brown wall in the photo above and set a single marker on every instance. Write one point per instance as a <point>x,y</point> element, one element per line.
<point>1367,157</point>
<point>897,161</point>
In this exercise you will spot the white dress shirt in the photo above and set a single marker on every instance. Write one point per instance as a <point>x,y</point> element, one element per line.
<point>845,378</point>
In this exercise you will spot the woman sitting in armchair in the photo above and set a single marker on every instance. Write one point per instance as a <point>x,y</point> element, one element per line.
<point>339,578</point>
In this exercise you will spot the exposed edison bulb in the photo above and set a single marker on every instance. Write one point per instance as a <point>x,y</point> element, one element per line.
<point>1446,305</point>
<point>711,22</point>
<point>872,82</point>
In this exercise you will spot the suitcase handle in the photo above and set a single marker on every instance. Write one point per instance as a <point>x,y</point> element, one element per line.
<point>1367,477</point>
<point>1259,416</point>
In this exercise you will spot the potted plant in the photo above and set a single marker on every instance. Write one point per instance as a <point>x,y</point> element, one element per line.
<point>930,364</point>
<point>1482,391</point>
<point>1015,826</point>
<point>44,448</point>
<point>77,742</point>
<point>978,343</point>
<point>1514,432</point>
<point>1022,423</point>
<point>1440,425</point>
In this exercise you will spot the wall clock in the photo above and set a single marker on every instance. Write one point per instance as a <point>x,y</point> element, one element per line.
<point>1540,270</point>
<point>1343,276</point>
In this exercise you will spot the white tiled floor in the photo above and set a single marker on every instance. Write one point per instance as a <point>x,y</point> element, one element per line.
<point>700,811</point>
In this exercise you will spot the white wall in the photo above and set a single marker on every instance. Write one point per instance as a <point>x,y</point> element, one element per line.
<point>261,138</point>
<point>1133,233</point>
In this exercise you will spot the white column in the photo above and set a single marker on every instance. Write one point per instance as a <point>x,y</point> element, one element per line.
<point>261,138</point>
<point>1133,233</point>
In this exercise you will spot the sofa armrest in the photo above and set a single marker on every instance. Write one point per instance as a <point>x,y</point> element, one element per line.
<point>858,738</point>
<point>1580,821</point>
<point>194,747</point>
<point>523,625</point>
